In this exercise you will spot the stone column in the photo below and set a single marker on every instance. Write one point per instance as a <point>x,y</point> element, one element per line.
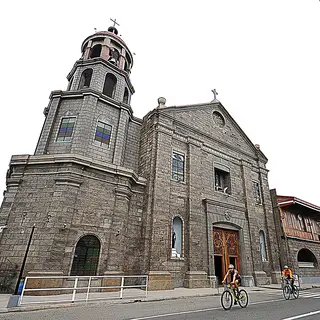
<point>105,49</point>
<point>117,241</point>
<point>160,231</point>
<point>273,247</point>
<point>197,254</point>
<point>253,240</point>
<point>122,59</point>
<point>87,50</point>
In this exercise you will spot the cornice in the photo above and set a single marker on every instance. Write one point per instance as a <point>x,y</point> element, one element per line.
<point>91,92</point>
<point>80,160</point>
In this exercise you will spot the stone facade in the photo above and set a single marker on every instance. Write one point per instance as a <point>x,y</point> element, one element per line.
<point>124,192</point>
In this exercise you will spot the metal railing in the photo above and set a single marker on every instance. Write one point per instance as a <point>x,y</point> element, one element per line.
<point>83,286</point>
<point>214,282</point>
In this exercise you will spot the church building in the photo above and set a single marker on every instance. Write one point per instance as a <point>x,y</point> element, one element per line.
<point>177,195</point>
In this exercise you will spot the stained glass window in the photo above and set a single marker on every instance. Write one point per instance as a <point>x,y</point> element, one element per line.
<point>86,257</point>
<point>66,129</point>
<point>177,167</point>
<point>103,133</point>
<point>256,191</point>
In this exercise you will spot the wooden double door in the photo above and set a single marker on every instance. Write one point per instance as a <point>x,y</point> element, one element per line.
<point>226,251</point>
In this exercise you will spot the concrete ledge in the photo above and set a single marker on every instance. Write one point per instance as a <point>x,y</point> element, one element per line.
<point>159,280</point>
<point>196,279</point>
<point>43,283</point>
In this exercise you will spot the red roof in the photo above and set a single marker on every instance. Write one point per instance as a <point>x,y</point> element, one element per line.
<point>289,200</point>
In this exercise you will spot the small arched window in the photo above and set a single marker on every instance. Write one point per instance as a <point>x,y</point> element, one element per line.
<point>86,257</point>
<point>114,56</point>
<point>306,259</point>
<point>263,248</point>
<point>85,79</point>
<point>126,96</point>
<point>95,51</point>
<point>109,85</point>
<point>176,238</point>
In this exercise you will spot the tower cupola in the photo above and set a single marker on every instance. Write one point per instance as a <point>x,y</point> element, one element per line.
<point>104,67</point>
<point>109,46</point>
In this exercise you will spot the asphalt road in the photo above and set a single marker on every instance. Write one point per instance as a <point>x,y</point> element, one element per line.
<point>262,306</point>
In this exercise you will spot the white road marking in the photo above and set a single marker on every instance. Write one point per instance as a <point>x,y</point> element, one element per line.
<point>303,315</point>
<point>302,294</point>
<point>310,295</point>
<point>196,311</point>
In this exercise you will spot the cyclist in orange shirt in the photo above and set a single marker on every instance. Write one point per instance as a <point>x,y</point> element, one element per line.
<point>287,274</point>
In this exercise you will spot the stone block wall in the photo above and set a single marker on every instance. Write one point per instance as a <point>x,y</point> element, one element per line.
<point>66,201</point>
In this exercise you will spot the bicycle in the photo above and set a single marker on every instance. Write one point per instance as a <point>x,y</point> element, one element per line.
<point>289,289</point>
<point>229,295</point>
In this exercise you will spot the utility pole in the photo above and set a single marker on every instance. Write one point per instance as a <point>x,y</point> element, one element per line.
<point>24,261</point>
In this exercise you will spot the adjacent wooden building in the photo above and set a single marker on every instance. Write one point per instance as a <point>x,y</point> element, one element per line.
<point>298,231</point>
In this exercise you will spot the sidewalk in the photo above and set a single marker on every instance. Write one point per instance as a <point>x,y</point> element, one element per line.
<point>129,296</point>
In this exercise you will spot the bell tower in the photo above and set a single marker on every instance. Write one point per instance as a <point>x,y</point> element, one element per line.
<point>81,189</point>
<point>91,117</point>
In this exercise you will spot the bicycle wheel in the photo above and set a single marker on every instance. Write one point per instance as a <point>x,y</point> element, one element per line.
<point>295,292</point>
<point>286,292</point>
<point>226,300</point>
<point>243,298</point>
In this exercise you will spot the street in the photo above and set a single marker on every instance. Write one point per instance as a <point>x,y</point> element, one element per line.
<point>268,305</point>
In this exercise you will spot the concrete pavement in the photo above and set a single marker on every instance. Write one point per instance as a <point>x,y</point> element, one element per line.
<point>128,297</point>
<point>264,304</point>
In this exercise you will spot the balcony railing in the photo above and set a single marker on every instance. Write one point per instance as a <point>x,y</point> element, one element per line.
<point>302,234</point>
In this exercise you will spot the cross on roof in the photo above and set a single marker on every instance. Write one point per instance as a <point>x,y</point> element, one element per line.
<point>215,93</point>
<point>115,22</point>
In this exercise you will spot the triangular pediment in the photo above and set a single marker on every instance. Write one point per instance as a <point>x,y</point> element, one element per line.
<point>212,119</point>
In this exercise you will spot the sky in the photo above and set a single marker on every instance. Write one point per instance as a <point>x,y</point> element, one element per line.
<point>262,57</point>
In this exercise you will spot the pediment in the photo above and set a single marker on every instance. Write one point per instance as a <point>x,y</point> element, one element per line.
<point>213,120</point>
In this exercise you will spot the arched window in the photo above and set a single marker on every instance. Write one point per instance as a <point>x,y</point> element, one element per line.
<point>95,51</point>
<point>109,85</point>
<point>176,238</point>
<point>114,56</point>
<point>86,257</point>
<point>263,248</point>
<point>306,259</point>
<point>126,96</point>
<point>85,79</point>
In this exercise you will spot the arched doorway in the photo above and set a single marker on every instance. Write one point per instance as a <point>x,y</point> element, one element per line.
<point>306,259</point>
<point>226,250</point>
<point>86,257</point>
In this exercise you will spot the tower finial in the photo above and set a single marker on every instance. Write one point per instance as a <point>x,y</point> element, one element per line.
<point>115,22</point>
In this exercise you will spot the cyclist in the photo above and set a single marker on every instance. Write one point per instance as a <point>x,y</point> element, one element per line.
<point>287,274</point>
<point>234,279</point>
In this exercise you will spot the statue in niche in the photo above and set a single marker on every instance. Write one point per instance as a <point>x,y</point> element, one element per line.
<point>174,238</point>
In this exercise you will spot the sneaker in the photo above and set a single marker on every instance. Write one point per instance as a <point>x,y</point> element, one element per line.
<point>235,302</point>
